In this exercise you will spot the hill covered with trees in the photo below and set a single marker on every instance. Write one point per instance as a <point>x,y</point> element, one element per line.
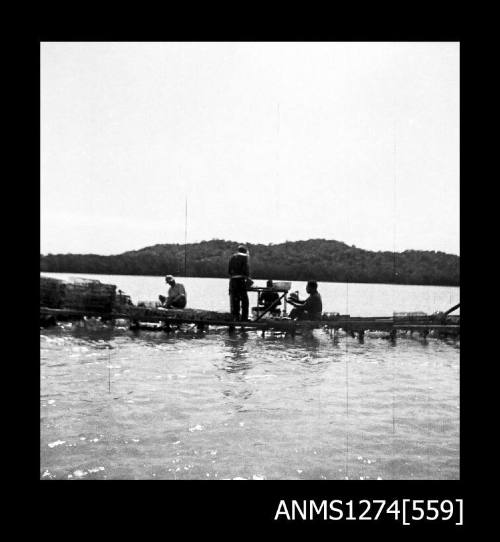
<point>320,259</point>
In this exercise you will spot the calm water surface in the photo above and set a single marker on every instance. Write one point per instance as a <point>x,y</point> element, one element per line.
<point>118,404</point>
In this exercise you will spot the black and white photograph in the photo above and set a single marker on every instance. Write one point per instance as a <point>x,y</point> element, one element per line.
<point>250,260</point>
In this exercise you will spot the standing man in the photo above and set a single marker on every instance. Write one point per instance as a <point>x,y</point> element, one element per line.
<point>239,271</point>
<point>176,295</point>
<point>311,308</point>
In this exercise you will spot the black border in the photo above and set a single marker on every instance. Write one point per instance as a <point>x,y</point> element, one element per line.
<point>190,504</point>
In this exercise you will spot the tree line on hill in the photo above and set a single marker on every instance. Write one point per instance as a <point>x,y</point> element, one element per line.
<point>319,259</point>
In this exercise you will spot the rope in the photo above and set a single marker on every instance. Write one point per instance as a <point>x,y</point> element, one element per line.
<point>394,274</point>
<point>347,380</point>
<point>185,237</point>
<point>109,370</point>
<point>346,408</point>
<point>394,220</point>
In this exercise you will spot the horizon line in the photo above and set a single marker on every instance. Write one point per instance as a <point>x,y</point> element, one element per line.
<point>248,243</point>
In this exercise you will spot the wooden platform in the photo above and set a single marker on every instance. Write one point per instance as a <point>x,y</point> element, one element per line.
<point>138,316</point>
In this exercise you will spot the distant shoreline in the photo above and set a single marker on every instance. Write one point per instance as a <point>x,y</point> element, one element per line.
<point>319,259</point>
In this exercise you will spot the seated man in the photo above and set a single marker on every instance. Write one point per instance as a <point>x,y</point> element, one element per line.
<point>269,299</point>
<point>311,308</point>
<point>176,295</point>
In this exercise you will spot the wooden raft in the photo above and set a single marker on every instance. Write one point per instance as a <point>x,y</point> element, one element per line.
<point>138,316</point>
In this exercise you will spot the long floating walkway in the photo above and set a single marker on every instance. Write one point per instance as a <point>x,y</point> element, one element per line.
<point>166,318</point>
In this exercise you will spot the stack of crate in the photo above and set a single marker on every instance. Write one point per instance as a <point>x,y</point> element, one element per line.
<point>51,292</point>
<point>89,295</point>
<point>413,317</point>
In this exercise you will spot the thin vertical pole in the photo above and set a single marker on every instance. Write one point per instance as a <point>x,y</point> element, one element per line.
<point>185,238</point>
<point>109,370</point>
<point>394,204</point>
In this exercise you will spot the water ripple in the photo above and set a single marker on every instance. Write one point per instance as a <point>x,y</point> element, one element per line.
<point>184,406</point>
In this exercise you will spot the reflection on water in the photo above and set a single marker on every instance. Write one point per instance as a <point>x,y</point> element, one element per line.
<point>237,359</point>
<point>237,364</point>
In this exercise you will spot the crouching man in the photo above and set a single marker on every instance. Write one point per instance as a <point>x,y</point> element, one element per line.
<point>176,295</point>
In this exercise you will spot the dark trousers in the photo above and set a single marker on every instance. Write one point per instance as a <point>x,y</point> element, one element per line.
<point>238,296</point>
<point>298,313</point>
<point>179,303</point>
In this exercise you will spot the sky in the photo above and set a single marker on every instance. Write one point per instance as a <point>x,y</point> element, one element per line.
<point>266,142</point>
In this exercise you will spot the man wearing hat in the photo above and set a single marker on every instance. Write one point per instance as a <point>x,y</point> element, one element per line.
<point>176,295</point>
<point>239,271</point>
